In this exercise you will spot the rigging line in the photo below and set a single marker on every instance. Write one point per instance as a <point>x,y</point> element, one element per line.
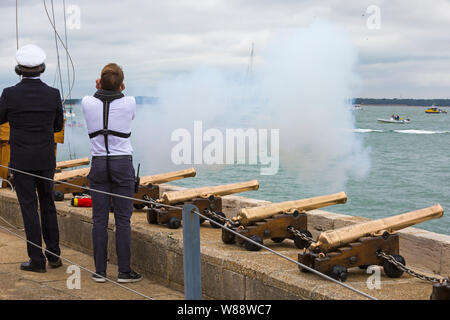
<point>57,53</point>
<point>17,25</point>
<point>67,260</point>
<point>55,77</point>
<point>207,218</point>
<point>65,48</point>
<point>68,75</point>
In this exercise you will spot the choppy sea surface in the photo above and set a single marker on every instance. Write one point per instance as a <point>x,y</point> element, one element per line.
<point>409,170</point>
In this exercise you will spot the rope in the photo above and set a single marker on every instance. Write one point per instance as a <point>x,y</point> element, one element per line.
<point>68,57</point>
<point>65,48</point>
<point>17,25</point>
<point>150,201</point>
<point>68,78</point>
<point>65,38</point>
<point>57,51</point>
<point>67,260</point>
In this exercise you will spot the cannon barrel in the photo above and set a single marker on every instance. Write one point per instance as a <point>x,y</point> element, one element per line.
<point>335,238</point>
<point>83,172</point>
<point>172,197</point>
<point>168,176</point>
<point>72,163</point>
<point>248,215</point>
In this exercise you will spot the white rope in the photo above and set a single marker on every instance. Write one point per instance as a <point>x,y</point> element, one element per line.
<point>206,218</point>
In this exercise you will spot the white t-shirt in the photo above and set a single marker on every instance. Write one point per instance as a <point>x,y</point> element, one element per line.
<point>121,112</point>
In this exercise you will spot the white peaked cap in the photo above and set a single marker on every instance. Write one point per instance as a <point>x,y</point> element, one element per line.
<point>30,56</point>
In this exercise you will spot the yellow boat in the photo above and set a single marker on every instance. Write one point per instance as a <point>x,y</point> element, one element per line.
<point>435,110</point>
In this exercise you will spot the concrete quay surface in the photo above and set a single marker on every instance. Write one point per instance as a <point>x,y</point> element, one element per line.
<point>231,272</point>
<point>16,284</point>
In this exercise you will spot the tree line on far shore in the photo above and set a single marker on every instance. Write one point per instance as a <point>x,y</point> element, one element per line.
<point>407,102</point>
<point>365,101</point>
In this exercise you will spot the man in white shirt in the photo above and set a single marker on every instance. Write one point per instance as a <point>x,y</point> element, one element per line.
<point>108,117</point>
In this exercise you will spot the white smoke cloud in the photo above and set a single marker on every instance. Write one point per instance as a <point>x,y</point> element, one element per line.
<point>300,83</point>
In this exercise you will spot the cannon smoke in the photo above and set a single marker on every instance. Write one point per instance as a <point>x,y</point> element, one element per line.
<point>301,83</point>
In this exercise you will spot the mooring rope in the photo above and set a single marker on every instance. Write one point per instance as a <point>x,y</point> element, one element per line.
<point>206,218</point>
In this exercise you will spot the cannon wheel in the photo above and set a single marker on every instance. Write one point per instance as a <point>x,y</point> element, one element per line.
<point>215,226</point>
<point>228,237</point>
<point>363,266</point>
<point>174,223</point>
<point>392,271</point>
<point>152,216</point>
<point>253,247</point>
<point>139,206</point>
<point>339,272</point>
<point>277,240</point>
<point>304,270</point>
<point>59,196</point>
<point>299,243</point>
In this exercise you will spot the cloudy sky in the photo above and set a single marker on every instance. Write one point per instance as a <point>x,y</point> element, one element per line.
<point>404,53</point>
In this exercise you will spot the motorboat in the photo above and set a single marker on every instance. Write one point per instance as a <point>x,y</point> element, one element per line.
<point>393,120</point>
<point>433,110</point>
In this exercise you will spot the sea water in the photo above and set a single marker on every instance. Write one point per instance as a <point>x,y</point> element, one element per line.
<point>409,165</point>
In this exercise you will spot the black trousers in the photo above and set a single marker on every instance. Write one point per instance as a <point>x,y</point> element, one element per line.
<point>120,180</point>
<point>47,228</point>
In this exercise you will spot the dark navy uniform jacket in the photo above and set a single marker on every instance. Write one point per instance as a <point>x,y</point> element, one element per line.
<point>34,112</point>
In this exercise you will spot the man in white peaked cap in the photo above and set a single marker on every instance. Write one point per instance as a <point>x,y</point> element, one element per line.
<point>34,112</point>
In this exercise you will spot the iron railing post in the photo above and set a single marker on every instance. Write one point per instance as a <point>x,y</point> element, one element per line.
<point>191,254</point>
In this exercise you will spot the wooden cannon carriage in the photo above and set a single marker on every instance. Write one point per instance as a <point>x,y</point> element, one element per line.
<point>5,151</point>
<point>277,221</point>
<point>207,199</point>
<point>360,245</point>
<point>148,185</point>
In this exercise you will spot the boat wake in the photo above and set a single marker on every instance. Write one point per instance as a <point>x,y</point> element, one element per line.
<point>366,130</point>
<point>409,131</point>
<point>420,132</point>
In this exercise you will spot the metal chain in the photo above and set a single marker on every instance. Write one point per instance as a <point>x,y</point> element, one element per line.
<point>401,266</point>
<point>219,218</point>
<point>301,235</point>
<point>225,227</point>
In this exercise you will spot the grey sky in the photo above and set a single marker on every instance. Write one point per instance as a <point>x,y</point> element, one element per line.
<point>409,56</point>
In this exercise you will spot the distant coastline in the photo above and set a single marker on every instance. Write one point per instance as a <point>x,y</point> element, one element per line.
<point>139,100</point>
<point>359,101</point>
<point>402,102</point>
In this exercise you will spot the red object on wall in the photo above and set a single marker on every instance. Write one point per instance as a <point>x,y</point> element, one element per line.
<point>81,202</point>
